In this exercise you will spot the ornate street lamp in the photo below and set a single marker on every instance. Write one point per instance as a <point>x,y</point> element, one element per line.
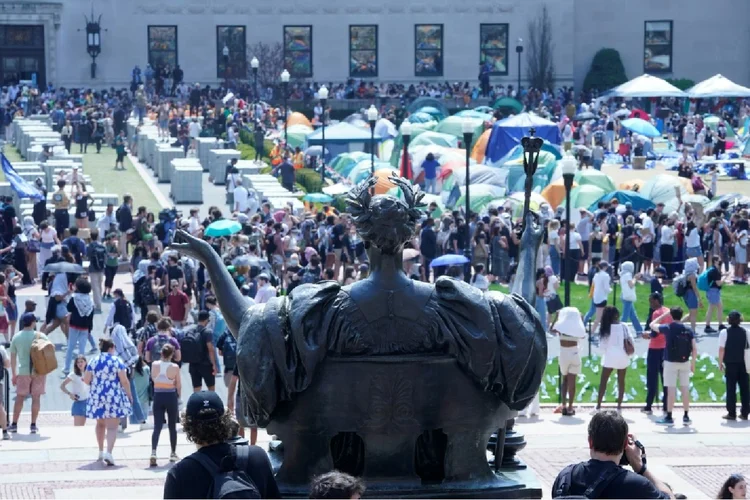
<point>93,40</point>
<point>285,90</point>
<point>323,96</point>
<point>372,118</point>
<point>519,51</point>
<point>568,173</point>
<point>406,134</point>
<point>532,146</point>
<point>468,131</point>
<point>254,64</point>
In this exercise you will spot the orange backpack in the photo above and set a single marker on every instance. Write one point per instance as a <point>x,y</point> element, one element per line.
<point>43,360</point>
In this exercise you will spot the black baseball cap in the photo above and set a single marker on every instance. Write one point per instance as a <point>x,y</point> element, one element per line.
<point>204,405</point>
<point>27,319</point>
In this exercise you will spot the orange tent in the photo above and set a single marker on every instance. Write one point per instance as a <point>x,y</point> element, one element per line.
<point>555,193</point>
<point>384,184</point>
<point>481,146</point>
<point>632,185</point>
<point>297,118</point>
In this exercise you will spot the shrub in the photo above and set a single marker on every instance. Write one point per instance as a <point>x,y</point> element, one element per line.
<point>681,83</point>
<point>309,179</point>
<point>606,71</point>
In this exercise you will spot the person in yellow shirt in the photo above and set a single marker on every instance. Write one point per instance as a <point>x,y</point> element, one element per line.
<point>299,159</point>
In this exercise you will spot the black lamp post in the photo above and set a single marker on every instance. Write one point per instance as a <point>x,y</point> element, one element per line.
<point>468,131</point>
<point>568,173</point>
<point>532,146</point>
<point>93,40</point>
<point>285,90</point>
<point>254,64</point>
<point>225,54</point>
<point>406,134</point>
<point>519,51</point>
<point>323,96</point>
<point>372,118</point>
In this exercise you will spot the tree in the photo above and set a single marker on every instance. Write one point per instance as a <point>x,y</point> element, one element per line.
<point>271,59</point>
<point>606,71</point>
<point>540,65</point>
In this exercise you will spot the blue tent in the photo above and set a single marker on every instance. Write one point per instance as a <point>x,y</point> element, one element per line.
<point>637,200</point>
<point>507,133</point>
<point>342,138</point>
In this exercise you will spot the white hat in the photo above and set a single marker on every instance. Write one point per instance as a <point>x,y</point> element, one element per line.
<point>569,323</point>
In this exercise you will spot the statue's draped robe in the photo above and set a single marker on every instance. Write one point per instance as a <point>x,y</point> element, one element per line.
<point>497,339</point>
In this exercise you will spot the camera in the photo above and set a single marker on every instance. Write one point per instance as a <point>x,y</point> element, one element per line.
<point>624,458</point>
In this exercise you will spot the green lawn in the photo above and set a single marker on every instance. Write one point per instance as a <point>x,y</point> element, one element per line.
<point>706,385</point>
<point>733,297</point>
<point>12,154</point>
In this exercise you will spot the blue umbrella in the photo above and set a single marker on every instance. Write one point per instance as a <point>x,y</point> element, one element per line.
<point>318,198</point>
<point>641,127</point>
<point>449,260</point>
<point>223,227</point>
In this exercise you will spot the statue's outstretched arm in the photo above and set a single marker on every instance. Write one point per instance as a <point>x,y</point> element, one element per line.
<point>232,303</point>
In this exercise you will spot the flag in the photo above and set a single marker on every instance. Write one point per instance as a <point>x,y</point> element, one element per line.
<point>453,197</point>
<point>22,188</point>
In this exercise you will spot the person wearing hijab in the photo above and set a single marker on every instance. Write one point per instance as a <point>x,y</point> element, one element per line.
<point>128,353</point>
<point>692,298</point>
<point>32,246</point>
<point>57,307</point>
<point>39,212</point>
<point>81,320</point>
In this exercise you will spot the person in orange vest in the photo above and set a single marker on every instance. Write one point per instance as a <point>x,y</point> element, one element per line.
<point>276,154</point>
<point>299,159</point>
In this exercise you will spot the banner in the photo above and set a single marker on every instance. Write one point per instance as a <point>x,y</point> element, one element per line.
<point>22,188</point>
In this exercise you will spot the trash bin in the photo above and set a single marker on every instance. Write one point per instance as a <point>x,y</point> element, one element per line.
<point>639,163</point>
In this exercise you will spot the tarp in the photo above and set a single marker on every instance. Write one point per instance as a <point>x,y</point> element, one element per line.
<point>717,86</point>
<point>507,134</point>
<point>638,201</point>
<point>646,86</point>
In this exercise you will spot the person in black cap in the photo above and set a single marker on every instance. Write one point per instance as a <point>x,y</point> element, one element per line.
<point>210,427</point>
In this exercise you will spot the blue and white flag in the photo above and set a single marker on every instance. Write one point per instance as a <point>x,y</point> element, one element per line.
<point>22,188</point>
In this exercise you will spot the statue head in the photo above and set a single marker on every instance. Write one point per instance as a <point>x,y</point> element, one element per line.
<point>383,221</point>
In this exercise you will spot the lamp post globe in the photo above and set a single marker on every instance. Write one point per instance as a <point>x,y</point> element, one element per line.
<point>323,96</point>
<point>468,130</point>
<point>372,118</point>
<point>254,64</point>
<point>568,172</point>
<point>406,134</point>
<point>285,89</point>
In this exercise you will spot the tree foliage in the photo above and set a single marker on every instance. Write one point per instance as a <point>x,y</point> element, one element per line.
<point>606,71</point>
<point>271,59</point>
<point>540,64</point>
<point>681,83</point>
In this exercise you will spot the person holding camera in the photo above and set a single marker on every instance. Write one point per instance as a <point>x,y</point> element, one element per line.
<point>612,446</point>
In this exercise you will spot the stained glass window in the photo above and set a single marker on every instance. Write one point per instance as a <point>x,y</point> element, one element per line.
<point>298,51</point>
<point>493,47</point>
<point>363,51</point>
<point>162,46</point>
<point>428,50</point>
<point>233,64</point>
<point>22,36</point>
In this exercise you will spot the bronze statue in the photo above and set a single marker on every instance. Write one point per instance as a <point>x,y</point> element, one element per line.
<point>399,381</point>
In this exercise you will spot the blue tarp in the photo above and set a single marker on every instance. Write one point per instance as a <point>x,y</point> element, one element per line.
<point>506,134</point>
<point>638,201</point>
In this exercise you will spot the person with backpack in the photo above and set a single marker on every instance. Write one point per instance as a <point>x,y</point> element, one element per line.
<point>96,253</point>
<point>163,337</point>
<point>24,376</point>
<point>710,281</point>
<point>692,295</point>
<point>218,469</point>
<point>733,344</point>
<point>679,361</point>
<point>602,476</point>
<point>121,312</point>
<point>227,347</point>
<point>197,347</point>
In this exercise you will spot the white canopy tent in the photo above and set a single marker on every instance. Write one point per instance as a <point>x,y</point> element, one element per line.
<point>646,86</point>
<point>718,86</point>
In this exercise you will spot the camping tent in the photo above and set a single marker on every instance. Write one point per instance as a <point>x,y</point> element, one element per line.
<point>646,86</point>
<point>453,125</point>
<point>430,138</point>
<point>717,86</point>
<point>595,178</point>
<point>422,102</point>
<point>341,138</point>
<point>480,146</point>
<point>638,201</point>
<point>508,103</point>
<point>296,134</point>
<point>507,133</point>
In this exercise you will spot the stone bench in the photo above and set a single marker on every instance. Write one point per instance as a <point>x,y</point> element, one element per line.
<point>218,159</point>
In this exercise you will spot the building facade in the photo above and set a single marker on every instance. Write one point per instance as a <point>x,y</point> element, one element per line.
<point>391,40</point>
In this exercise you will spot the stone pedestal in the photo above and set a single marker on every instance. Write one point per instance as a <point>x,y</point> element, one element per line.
<point>217,164</point>
<point>187,179</point>
<point>206,144</point>
<point>164,156</point>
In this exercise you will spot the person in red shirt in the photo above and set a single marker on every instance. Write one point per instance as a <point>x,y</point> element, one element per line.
<point>178,305</point>
<point>655,359</point>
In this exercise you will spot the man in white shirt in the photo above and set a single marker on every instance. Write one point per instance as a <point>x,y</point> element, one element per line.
<point>602,287</point>
<point>240,199</point>
<point>194,223</point>
<point>265,290</point>
<point>194,130</point>
<point>107,222</point>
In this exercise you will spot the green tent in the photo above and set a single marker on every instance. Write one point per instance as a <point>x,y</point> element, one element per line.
<point>454,125</point>
<point>398,142</point>
<point>584,196</point>
<point>363,169</point>
<point>591,177</point>
<point>508,103</point>
<point>345,161</point>
<point>296,135</point>
<point>420,117</point>
<point>429,137</point>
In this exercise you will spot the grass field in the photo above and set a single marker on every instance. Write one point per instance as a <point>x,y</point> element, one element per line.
<point>706,385</point>
<point>733,297</point>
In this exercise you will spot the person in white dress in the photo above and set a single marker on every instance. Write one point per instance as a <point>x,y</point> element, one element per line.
<point>615,339</point>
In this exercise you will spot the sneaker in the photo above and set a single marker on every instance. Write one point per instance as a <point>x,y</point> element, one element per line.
<point>6,436</point>
<point>722,327</point>
<point>34,429</point>
<point>686,419</point>
<point>101,457</point>
<point>743,416</point>
<point>93,350</point>
<point>708,329</point>
<point>109,459</point>
<point>174,458</point>
<point>665,421</point>
<point>729,417</point>
<point>646,410</point>
<point>152,460</point>
<point>13,428</point>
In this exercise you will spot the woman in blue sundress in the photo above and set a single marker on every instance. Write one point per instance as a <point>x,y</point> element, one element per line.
<point>109,397</point>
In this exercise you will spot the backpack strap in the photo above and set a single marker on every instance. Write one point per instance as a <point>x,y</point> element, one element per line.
<point>206,462</point>
<point>596,489</point>
<point>566,481</point>
<point>241,457</point>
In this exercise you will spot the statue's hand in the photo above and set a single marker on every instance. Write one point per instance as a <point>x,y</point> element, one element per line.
<point>188,244</point>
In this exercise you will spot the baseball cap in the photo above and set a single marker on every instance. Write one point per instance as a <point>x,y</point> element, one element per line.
<point>199,402</point>
<point>27,319</point>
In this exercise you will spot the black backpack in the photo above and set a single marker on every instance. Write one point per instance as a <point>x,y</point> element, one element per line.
<point>680,345</point>
<point>161,341</point>
<point>192,346</point>
<point>593,491</point>
<point>232,483</point>
<point>98,257</point>
<point>146,293</point>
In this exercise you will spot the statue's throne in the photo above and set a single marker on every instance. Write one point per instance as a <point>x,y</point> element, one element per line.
<point>410,426</point>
